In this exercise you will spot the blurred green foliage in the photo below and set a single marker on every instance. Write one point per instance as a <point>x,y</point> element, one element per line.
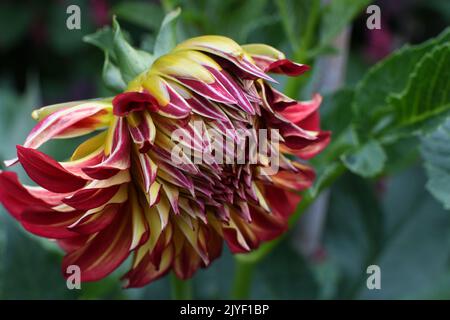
<point>387,218</point>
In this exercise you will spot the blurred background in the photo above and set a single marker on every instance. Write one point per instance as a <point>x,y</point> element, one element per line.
<point>391,221</point>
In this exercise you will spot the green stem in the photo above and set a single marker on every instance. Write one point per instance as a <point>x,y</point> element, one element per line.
<point>181,289</point>
<point>246,263</point>
<point>242,279</point>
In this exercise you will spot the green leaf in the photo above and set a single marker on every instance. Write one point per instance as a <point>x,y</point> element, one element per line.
<point>416,243</point>
<point>298,18</point>
<point>337,15</point>
<point>390,76</point>
<point>166,39</point>
<point>427,91</point>
<point>325,175</point>
<point>435,150</point>
<point>29,270</point>
<point>130,61</point>
<point>367,160</point>
<point>112,76</point>
<point>143,14</point>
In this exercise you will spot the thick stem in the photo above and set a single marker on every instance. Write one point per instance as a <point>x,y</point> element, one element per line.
<point>181,289</point>
<point>242,279</point>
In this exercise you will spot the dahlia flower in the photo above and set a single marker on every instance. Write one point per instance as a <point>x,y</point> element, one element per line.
<point>122,195</point>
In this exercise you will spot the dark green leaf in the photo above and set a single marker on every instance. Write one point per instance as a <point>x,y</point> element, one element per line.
<point>122,61</point>
<point>166,39</point>
<point>367,160</point>
<point>274,282</point>
<point>435,150</point>
<point>28,271</point>
<point>407,237</point>
<point>353,231</point>
<point>296,17</point>
<point>130,61</point>
<point>336,111</point>
<point>426,93</point>
<point>388,77</point>
<point>251,16</point>
<point>402,154</point>
<point>103,39</point>
<point>112,77</point>
<point>15,116</point>
<point>416,243</point>
<point>14,21</point>
<point>337,15</point>
<point>215,281</point>
<point>322,51</point>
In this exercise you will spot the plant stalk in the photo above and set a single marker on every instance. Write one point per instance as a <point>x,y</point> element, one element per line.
<point>246,263</point>
<point>242,279</point>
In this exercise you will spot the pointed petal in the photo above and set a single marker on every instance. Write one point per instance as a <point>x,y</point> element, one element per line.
<point>16,198</point>
<point>138,222</point>
<point>287,67</point>
<point>172,194</point>
<point>301,110</point>
<point>207,108</point>
<point>93,223</point>
<point>234,89</point>
<point>169,95</point>
<point>142,130</point>
<point>87,199</point>
<point>294,181</point>
<point>307,149</point>
<point>227,49</point>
